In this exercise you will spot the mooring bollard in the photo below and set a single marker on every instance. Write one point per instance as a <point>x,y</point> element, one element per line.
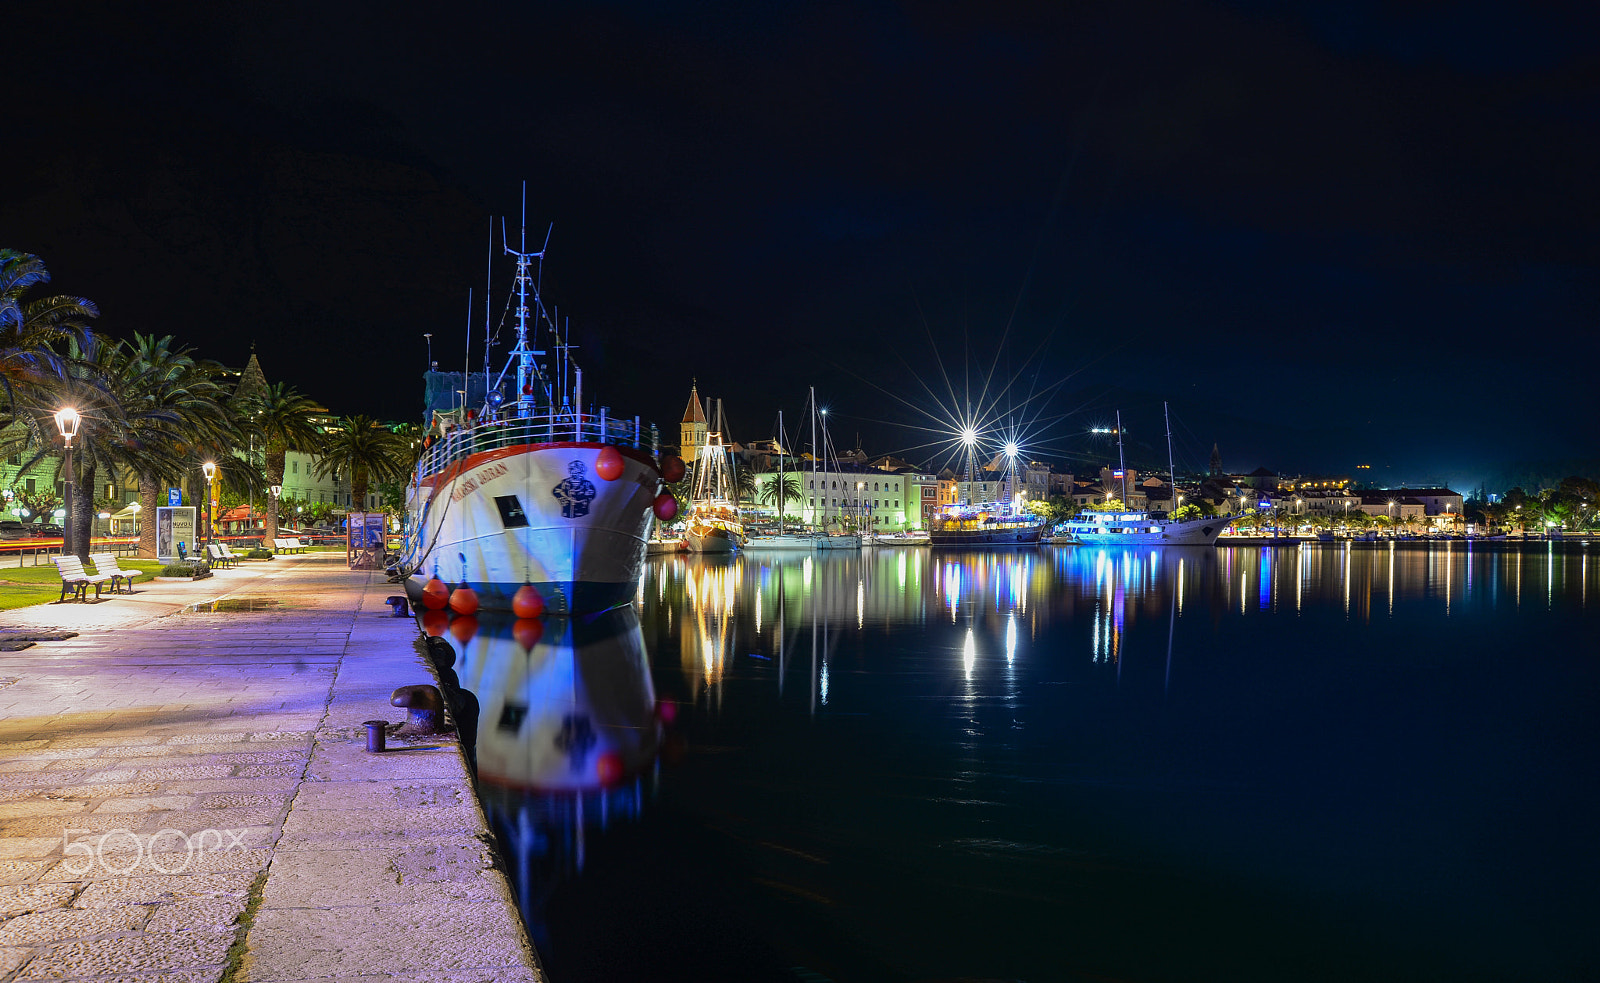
<point>375,735</point>
<point>424,707</point>
<point>398,606</point>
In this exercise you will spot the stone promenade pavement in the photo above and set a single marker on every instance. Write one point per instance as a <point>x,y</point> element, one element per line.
<point>186,796</point>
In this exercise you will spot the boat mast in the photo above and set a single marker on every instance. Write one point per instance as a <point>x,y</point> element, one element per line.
<point>527,369</point>
<point>780,498</point>
<point>813,449</point>
<point>1121,466</point>
<point>1172,474</point>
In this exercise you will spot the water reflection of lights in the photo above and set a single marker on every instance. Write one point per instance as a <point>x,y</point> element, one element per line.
<point>969,654</point>
<point>1011,638</point>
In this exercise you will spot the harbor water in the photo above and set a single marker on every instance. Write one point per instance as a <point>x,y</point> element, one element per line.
<point>1328,762</point>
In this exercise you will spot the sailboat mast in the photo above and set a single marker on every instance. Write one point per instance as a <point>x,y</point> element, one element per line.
<point>1172,474</point>
<point>1121,466</point>
<point>813,448</point>
<point>780,498</point>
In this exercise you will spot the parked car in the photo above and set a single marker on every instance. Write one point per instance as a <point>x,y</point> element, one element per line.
<point>49,530</point>
<point>12,529</point>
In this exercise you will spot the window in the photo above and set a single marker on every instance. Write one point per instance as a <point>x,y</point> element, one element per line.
<point>897,503</point>
<point>295,466</point>
<point>511,514</point>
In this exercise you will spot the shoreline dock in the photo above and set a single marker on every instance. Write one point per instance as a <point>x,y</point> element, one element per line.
<point>188,796</point>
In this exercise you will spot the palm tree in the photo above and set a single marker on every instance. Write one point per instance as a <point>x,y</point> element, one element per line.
<point>367,452</point>
<point>780,489</point>
<point>28,327</point>
<point>178,404</point>
<point>281,417</point>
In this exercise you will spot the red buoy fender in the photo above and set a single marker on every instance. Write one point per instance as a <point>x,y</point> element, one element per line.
<point>527,602</point>
<point>464,600</point>
<point>608,463</point>
<point>671,468</point>
<point>666,507</point>
<point>435,595</point>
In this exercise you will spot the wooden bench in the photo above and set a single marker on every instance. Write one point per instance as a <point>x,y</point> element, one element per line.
<point>289,545</point>
<point>106,564</point>
<point>218,557</point>
<point>75,579</point>
<point>228,552</point>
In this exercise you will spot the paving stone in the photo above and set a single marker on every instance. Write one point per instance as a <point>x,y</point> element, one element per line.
<point>42,806</point>
<point>207,915</point>
<point>145,804</point>
<point>163,890</point>
<point>204,859</point>
<point>155,952</point>
<point>22,899</point>
<point>12,847</point>
<point>57,926</point>
<point>415,871</point>
<point>448,936</point>
<point>17,871</point>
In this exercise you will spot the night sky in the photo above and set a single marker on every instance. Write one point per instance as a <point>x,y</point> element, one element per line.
<point>1329,234</point>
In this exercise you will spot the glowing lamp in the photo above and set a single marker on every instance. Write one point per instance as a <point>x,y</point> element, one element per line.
<point>67,420</point>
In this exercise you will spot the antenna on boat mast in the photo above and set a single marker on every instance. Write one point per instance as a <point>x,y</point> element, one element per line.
<point>527,369</point>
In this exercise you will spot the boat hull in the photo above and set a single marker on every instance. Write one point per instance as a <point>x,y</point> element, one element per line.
<point>846,542</point>
<point>980,538</point>
<point>784,542</point>
<point>715,540</point>
<point>1195,532</point>
<point>534,514</point>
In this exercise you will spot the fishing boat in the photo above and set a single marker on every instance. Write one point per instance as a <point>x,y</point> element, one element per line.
<point>1132,528</point>
<point>713,524</point>
<point>533,488</point>
<point>901,539</point>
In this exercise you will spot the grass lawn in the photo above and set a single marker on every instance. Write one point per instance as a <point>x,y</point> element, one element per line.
<point>26,585</point>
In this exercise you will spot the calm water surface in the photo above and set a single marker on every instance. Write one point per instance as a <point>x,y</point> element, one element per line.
<point>1077,763</point>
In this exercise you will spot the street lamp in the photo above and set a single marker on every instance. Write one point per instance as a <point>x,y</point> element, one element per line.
<point>210,469</point>
<point>277,490</point>
<point>67,421</point>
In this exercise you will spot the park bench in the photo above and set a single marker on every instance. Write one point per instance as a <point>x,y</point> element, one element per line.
<point>228,552</point>
<point>106,564</point>
<point>218,557</point>
<point>289,545</point>
<point>73,577</point>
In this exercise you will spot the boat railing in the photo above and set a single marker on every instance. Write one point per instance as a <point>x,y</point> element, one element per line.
<point>540,428</point>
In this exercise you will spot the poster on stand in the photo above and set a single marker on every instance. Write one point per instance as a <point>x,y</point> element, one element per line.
<point>364,535</point>
<point>175,527</point>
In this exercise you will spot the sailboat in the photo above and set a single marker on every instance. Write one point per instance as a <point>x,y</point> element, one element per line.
<point>783,540</point>
<point>825,540</point>
<point>1130,528</point>
<point>713,524</point>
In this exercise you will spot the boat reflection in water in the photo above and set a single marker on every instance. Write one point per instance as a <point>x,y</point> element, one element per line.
<point>568,736</point>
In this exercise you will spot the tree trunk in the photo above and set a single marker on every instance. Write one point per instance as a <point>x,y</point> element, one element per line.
<point>149,492</point>
<point>274,461</point>
<point>81,513</point>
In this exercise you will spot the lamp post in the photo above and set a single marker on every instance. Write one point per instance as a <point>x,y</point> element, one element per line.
<point>67,422</point>
<point>210,469</point>
<point>277,490</point>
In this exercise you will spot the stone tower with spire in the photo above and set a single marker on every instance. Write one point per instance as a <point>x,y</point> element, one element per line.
<point>1215,468</point>
<point>692,431</point>
<point>252,381</point>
